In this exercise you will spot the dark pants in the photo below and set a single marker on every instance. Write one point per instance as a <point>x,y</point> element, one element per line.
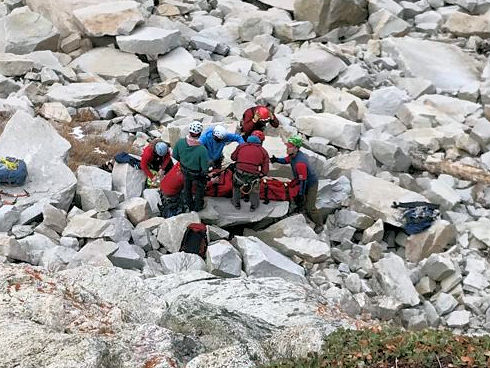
<point>310,205</point>
<point>251,183</point>
<point>171,206</point>
<point>216,164</point>
<point>196,202</point>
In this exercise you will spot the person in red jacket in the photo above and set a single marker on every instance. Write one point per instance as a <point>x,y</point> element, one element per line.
<point>256,118</point>
<point>252,163</point>
<point>171,187</point>
<point>156,161</point>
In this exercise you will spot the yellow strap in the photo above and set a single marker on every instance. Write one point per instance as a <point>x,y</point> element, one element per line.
<point>10,165</point>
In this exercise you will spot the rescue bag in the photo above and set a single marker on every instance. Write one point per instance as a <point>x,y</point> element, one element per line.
<point>277,190</point>
<point>195,239</point>
<point>222,185</point>
<point>417,216</point>
<point>13,171</point>
<point>172,182</point>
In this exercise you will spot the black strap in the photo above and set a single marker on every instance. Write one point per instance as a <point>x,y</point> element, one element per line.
<point>414,204</point>
<point>266,192</point>
<point>215,186</point>
<point>286,189</point>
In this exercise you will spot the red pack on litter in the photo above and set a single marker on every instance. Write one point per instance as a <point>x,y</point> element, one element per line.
<point>222,186</point>
<point>173,182</point>
<point>277,190</point>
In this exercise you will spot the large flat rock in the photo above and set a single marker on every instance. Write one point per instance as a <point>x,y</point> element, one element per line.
<point>374,197</point>
<point>220,211</point>
<point>110,64</point>
<point>445,65</point>
<point>26,31</point>
<point>82,94</point>
<point>45,153</point>
<point>149,41</point>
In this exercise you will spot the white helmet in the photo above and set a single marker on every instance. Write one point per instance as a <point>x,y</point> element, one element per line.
<point>196,127</point>
<point>219,131</point>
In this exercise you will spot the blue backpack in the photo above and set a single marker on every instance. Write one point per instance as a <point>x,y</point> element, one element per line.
<point>417,216</point>
<point>12,171</point>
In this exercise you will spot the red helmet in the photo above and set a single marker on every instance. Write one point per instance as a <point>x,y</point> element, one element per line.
<point>259,134</point>
<point>262,113</point>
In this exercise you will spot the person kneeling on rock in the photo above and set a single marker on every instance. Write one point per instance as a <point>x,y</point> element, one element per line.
<point>304,173</point>
<point>252,163</point>
<point>156,162</point>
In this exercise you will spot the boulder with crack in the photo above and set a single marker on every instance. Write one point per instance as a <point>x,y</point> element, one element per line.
<point>45,153</point>
<point>82,94</point>
<point>223,260</point>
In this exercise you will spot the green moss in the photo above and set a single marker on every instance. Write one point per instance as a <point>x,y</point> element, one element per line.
<point>393,347</point>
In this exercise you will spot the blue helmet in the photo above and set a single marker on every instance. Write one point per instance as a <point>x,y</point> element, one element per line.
<point>253,139</point>
<point>161,148</point>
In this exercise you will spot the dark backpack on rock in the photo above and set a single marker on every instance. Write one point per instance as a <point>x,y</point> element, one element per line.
<point>13,171</point>
<point>417,216</point>
<point>195,240</point>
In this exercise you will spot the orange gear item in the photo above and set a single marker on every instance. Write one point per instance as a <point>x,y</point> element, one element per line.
<point>262,113</point>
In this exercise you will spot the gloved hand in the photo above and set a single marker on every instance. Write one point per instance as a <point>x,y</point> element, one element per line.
<point>273,159</point>
<point>300,203</point>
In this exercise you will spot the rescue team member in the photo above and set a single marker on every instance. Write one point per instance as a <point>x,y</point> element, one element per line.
<point>252,162</point>
<point>308,180</point>
<point>256,118</point>
<point>193,158</point>
<point>215,139</point>
<point>171,193</point>
<point>156,162</point>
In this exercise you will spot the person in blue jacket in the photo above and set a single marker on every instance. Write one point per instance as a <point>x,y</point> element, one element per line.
<point>215,139</point>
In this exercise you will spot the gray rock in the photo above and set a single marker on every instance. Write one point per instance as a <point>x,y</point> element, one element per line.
<point>385,24</point>
<point>220,212</point>
<point>21,231</point>
<point>414,319</point>
<point>137,209</point>
<point>26,31</point>
<point>147,105</point>
<point>181,262</point>
<point>289,227</point>
<point>458,319</point>
<point>57,258</point>
<point>332,193</point>
<point>427,59</point>
<point>395,281</point>
<point>45,153</point>
<point>294,31</point>
<point>176,63</point>
<point>260,260</point>
<point>338,13</point>
<point>9,216</point>
<point>111,64</point>
<point>69,242</point>
<point>171,231</point>
<point>465,25</point>
<point>54,218</point>
<point>254,26</point>
<point>445,303</point>
<point>12,65</point>
<point>434,240</point>
<point>30,249</point>
<point>425,286</point>
<point>185,92</point>
<point>387,101</point>
<point>391,154</point>
<point>82,94</point>
<point>223,260</point>
<point>440,193</point>
<point>108,18</point>
<point>339,131</point>
<point>377,204</point>
<point>127,256</point>
<point>81,226</point>
<point>128,180</point>
<point>7,86</point>
<point>438,267</point>
<point>389,5</point>
<point>149,41</point>
<point>273,94</point>
<point>474,282</point>
<point>311,250</point>
<point>318,64</point>
<point>373,233</point>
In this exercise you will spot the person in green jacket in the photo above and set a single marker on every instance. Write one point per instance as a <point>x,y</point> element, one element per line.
<point>194,163</point>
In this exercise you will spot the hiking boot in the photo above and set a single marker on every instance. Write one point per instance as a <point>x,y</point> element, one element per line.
<point>252,209</point>
<point>318,229</point>
<point>237,206</point>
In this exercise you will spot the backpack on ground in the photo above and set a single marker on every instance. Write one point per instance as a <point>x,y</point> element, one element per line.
<point>195,239</point>
<point>277,190</point>
<point>126,158</point>
<point>13,171</point>
<point>417,216</point>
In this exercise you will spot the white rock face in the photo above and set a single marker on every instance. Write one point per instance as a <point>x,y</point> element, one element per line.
<point>147,104</point>
<point>12,65</point>
<point>223,260</point>
<point>176,63</point>
<point>26,31</point>
<point>149,41</point>
<point>82,94</point>
<point>318,64</point>
<point>181,262</point>
<point>385,24</point>
<point>110,64</point>
<point>128,180</point>
<point>260,260</point>
<point>431,60</point>
<point>45,153</point>
<point>311,250</point>
<point>377,203</point>
<point>86,227</point>
<point>171,231</point>
<point>109,18</point>
<point>394,278</point>
<point>339,131</point>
